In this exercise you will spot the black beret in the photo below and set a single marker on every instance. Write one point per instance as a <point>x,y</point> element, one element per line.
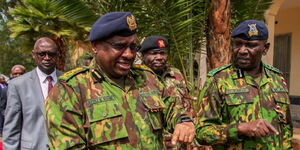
<point>113,23</point>
<point>251,30</point>
<point>154,43</point>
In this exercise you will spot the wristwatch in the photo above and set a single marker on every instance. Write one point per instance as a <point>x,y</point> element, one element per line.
<point>186,119</point>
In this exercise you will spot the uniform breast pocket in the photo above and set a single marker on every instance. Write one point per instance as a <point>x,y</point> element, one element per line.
<point>282,101</point>
<point>238,101</point>
<point>106,122</point>
<point>155,107</point>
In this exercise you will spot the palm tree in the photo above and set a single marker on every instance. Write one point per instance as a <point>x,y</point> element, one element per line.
<point>182,22</point>
<point>218,36</point>
<point>63,20</point>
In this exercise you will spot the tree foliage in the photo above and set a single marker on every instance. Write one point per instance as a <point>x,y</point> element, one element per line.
<point>62,20</point>
<point>245,9</point>
<point>183,22</point>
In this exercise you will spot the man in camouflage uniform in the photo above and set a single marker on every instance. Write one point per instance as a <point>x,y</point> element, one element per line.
<point>111,104</point>
<point>154,50</point>
<point>245,105</point>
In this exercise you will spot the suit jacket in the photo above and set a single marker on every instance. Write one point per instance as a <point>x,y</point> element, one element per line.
<point>24,125</point>
<point>3,100</point>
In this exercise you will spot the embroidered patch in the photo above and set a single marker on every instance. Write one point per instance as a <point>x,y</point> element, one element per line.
<point>279,90</point>
<point>93,101</point>
<point>131,22</point>
<point>161,44</point>
<point>252,30</point>
<point>233,91</point>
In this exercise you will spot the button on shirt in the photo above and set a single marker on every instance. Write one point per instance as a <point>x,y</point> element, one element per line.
<point>44,82</point>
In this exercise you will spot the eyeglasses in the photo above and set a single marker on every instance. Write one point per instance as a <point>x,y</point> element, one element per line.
<point>43,54</point>
<point>123,46</point>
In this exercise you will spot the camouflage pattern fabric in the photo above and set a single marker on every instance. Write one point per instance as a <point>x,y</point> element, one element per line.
<point>230,96</point>
<point>174,83</point>
<point>173,78</point>
<point>86,110</point>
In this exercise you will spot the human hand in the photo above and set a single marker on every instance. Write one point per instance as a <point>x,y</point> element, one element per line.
<point>257,128</point>
<point>183,132</point>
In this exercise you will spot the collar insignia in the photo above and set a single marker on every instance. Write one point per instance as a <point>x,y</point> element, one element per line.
<point>252,30</point>
<point>131,22</point>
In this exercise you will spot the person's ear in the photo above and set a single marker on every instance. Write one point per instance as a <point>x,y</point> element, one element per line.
<point>94,47</point>
<point>266,49</point>
<point>32,54</point>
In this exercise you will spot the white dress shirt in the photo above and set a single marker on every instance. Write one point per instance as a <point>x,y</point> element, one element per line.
<point>44,82</point>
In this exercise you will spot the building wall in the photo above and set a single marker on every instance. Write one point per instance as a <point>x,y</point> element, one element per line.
<point>288,21</point>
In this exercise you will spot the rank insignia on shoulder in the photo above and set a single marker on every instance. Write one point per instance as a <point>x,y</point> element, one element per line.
<point>252,30</point>
<point>142,67</point>
<point>68,75</point>
<point>283,81</point>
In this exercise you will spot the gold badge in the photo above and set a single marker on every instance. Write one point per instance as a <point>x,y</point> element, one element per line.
<point>252,30</point>
<point>131,22</point>
<point>161,44</point>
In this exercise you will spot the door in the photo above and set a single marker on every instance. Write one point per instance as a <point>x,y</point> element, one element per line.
<point>282,55</point>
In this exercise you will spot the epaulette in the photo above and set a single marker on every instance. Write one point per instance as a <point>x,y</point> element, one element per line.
<point>273,69</point>
<point>214,71</point>
<point>70,74</point>
<point>142,67</point>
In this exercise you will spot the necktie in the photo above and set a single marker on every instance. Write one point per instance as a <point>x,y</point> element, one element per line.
<point>50,86</point>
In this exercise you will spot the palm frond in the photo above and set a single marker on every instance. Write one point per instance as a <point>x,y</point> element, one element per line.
<point>245,9</point>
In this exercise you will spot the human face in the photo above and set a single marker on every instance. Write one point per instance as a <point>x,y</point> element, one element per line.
<point>247,54</point>
<point>2,80</point>
<point>45,56</point>
<point>115,55</point>
<point>16,72</point>
<point>156,60</point>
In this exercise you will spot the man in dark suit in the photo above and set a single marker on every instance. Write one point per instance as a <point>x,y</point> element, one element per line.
<point>3,98</point>
<point>24,126</point>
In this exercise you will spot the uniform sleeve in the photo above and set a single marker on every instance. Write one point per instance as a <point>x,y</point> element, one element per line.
<point>64,119</point>
<point>211,128</point>
<point>13,119</point>
<point>174,110</point>
<point>288,133</point>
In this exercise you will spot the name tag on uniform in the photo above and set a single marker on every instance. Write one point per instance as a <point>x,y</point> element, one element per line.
<point>102,99</point>
<point>149,93</point>
<point>234,91</point>
<point>279,90</point>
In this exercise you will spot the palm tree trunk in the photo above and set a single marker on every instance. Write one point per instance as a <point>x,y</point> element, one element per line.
<point>218,36</point>
<point>62,49</point>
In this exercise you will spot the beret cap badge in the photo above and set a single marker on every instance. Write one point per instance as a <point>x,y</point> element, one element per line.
<point>131,22</point>
<point>252,30</point>
<point>161,44</point>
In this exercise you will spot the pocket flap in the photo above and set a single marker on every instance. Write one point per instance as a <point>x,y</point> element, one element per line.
<point>100,111</point>
<point>237,96</point>
<point>155,106</point>
<point>282,98</point>
<point>152,100</point>
<point>26,144</point>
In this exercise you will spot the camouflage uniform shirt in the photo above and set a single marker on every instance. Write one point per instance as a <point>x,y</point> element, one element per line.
<point>86,110</point>
<point>230,96</point>
<point>173,78</point>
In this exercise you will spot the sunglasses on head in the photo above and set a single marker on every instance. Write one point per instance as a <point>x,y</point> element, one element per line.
<point>43,54</point>
<point>123,46</point>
